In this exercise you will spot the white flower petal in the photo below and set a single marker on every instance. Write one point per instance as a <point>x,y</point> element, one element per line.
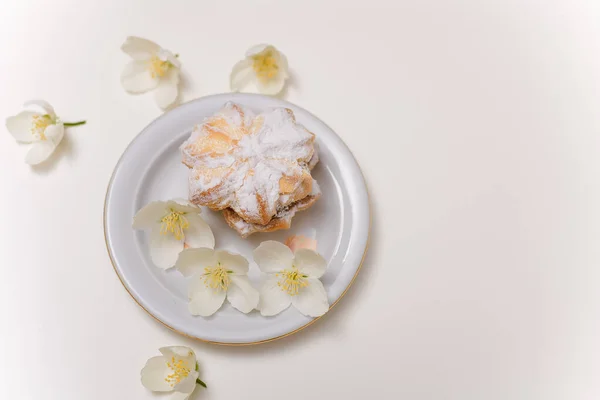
<point>259,48</point>
<point>136,77</point>
<point>272,256</point>
<point>273,300</point>
<point>139,48</point>
<point>193,261</point>
<point>164,249</point>
<point>273,85</point>
<point>175,354</point>
<point>180,201</point>
<point>20,126</point>
<point>150,215</point>
<point>233,262</point>
<point>179,396</point>
<point>310,263</point>
<point>242,295</point>
<point>183,205</point>
<point>154,373</point>
<point>198,234</point>
<point>183,352</point>
<point>166,55</point>
<point>241,75</point>
<point>44,105</point>
<point>312,299</point>
<point>167,91</point>
<point>188,384</point>
<point>282,62</point>
<point>39,152</point>
<point>55,133</point>
<point>204,301</point>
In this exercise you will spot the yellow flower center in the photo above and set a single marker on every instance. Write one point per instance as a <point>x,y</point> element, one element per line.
<point>180,371</point>
<point>158,67</point>
<point>175,223</point>
<point>39,123</point>
<point>217,277</point>
<point>265,65</point>
<point>291,281</point>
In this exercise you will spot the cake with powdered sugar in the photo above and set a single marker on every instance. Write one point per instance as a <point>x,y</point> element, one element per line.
<point>255,168</point>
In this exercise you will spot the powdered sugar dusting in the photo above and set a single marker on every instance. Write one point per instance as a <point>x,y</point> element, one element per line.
<point>238,160</point>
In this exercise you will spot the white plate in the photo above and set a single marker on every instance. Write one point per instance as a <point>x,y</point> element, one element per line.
<point>151,169</point>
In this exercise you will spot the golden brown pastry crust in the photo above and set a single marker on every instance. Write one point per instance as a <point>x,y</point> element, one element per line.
<point>254,165</point>
<point>282,220</point>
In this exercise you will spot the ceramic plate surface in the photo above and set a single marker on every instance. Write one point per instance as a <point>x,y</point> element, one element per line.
<point>151,169</point>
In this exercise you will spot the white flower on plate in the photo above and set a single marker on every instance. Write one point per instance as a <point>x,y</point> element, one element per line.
<point>43,130</point>
<point>293,278</point>
<point>216,275</point>
<point>152,68</point>
<point>174,225</point>
<point>175,371</point>
<point>264,66</point>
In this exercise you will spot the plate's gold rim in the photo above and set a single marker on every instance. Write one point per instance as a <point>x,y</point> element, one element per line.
<point>112,261</point>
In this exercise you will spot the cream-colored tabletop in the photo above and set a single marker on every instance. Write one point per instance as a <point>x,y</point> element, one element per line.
<point>476,124</point>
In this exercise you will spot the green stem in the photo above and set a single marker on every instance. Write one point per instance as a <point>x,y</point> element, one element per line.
<point>74,123</point>
<point>199,382</point>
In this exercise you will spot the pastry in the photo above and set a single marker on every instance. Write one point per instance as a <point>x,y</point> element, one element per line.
<point>281,220</point>
<point>253,166</point>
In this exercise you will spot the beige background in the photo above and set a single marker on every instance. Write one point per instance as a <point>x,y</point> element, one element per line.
<point>476,123</point>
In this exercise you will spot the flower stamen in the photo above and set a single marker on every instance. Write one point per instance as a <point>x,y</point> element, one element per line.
<point>217,278</point>
<point>265,65</point>
<point>158,67</point>
<point>39,123</point>
<point>180,371</point>
<point>291,281</point>
<point>175,223</point>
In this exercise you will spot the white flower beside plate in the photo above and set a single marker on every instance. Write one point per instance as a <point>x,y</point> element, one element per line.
<point>151,169</point>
